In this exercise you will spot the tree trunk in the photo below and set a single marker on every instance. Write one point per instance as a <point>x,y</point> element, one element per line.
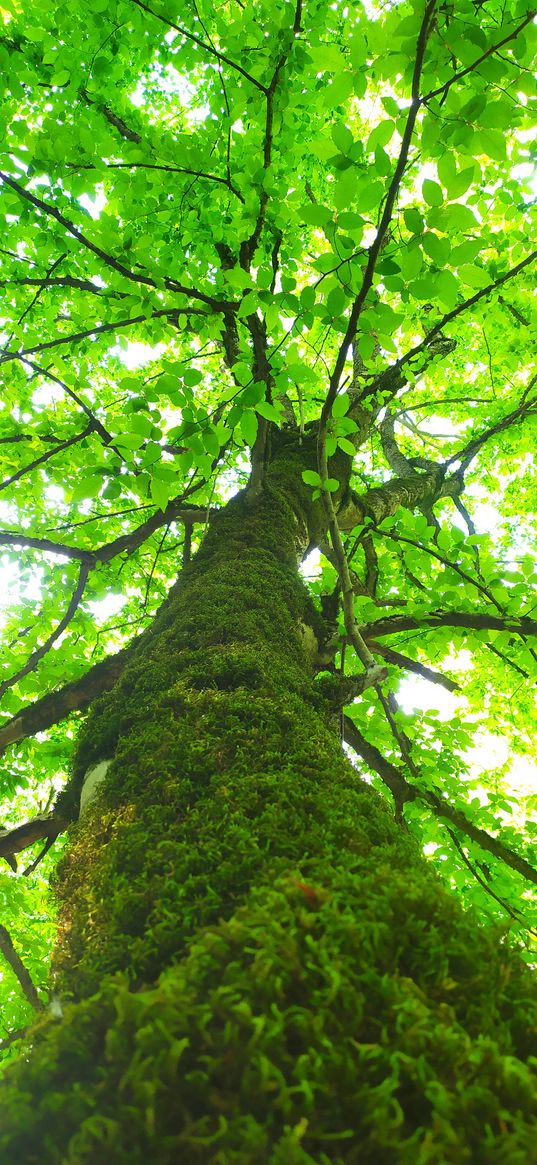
<point>261,965</point>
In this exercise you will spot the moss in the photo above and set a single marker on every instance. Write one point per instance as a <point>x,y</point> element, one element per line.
<point>344,1015</point>
<point>296,987</point>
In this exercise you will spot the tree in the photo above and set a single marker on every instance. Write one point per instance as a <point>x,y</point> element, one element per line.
<point>266,294</point>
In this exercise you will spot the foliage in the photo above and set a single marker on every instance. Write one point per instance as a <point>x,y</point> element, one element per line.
<point>225,224</point>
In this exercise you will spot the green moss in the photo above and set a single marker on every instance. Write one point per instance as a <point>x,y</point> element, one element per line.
<point>342,1016</point>
<point>296,987</point>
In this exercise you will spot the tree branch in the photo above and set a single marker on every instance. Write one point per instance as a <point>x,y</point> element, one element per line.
<point>452,315</point>
<point>38,654</point>
<point>385,220</point>
<point>158,166</point>
<point>202,44</point>
<point>403,661</point>
<point>62,281</point>
<point>55,706</point>
<point>98,330</point>
<point>393,624</point>
<point>48,825</point>
<point>59,448</point>
<point>248,247</point>
<point>18,968</point>
<point>412,492</point>
<point>479,60</point>
<point>108,260</point>
<point>466,455</point>
<point>10,538</point>
<point>405,791</point>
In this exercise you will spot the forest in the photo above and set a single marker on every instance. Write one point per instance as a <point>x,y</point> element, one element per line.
<point>267,552</point>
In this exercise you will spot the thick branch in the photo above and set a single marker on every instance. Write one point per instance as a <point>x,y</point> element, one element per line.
<point>55,706</point>
<point>176,509</point>
<point>48,825</point>
<point>412,492</point>
<point>8,538</point>
<point>393,624</point>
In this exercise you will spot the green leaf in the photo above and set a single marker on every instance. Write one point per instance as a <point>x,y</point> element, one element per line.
<point>342,137</point>
<point>268,411</point>
<point>432,192</point>
<point>307,298</point>
<point>248,426</point>
<point>310,477</point>
<point>413,220</point>
<point>336,301</point>
<point>315,215</point>
<point>341,404</point>
<point>437,248</point>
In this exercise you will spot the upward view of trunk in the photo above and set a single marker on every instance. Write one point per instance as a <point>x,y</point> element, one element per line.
<point>255,963</point>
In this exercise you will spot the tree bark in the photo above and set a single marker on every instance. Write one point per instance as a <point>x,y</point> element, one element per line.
<point>255,962</point>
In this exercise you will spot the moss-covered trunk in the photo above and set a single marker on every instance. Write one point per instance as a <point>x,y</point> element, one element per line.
<point>262,967</point>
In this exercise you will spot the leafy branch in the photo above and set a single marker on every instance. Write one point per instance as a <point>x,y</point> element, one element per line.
<point>38,654</point>
<point>108,260</point>
<point>405,791</point>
